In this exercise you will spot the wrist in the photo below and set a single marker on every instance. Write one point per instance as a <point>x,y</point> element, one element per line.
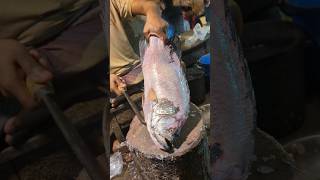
<point>152,9</point>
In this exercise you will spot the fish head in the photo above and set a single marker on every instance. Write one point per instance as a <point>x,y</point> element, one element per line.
<point>164,124</point>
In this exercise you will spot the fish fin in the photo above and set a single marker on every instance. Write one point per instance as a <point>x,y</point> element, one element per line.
<point>152,95</point>
<point>142,48</point>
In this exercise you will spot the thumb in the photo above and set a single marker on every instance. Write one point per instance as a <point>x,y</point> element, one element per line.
<point>34,70</point>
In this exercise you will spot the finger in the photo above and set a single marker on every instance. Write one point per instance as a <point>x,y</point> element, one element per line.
<point>161,33</point>
<point>8,139</point>
<point>21,121</point>
<point>123,80</point>
<point>33,69</point>
<point>146,34</point>
<point>40,58</point>
<point>118,80</point>
<point>18,138</point>
<point>11,125</point>
<point>120,83</point>
<point>122,89</point>
<point>4,93</point>
<point>118,92</point>
<point>19,90</point>
<point>34,53</point>
<point>44,62</point>
<point>162,36</point>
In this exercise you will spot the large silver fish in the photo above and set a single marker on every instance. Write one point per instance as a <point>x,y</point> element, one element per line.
<point>166,93</point>
<point>233,103</point>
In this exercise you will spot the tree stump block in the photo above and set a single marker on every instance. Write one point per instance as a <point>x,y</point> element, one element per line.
<point>189,160</point>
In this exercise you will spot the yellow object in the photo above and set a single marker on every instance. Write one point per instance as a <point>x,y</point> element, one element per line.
<point>203,20</point>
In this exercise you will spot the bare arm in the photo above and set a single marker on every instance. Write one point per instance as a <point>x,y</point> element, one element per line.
<point>145,7</point>
<point>154,22</point>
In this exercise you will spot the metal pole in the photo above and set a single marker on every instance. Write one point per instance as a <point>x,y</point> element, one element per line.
<point>73,138</point>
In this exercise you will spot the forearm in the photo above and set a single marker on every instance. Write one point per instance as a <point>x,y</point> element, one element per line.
<point>146,7</point>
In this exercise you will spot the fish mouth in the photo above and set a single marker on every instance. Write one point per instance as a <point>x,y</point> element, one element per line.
<point>166,142</point>
<point>164,134</point>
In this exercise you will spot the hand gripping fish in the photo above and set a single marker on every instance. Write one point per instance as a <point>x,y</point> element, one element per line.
<point>166,93</point>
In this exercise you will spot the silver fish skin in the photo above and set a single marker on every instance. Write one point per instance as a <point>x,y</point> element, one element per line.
<point>165,115</point>
<point>233,111</point>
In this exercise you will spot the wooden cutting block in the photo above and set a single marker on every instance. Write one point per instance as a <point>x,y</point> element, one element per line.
<point>188,160</point>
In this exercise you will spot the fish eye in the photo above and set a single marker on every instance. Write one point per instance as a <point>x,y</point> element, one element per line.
<point>171,131</point>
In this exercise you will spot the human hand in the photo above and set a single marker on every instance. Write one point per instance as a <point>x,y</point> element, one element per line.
<point>16,64</point>
<point>155,24</point>
<point>117,84</point>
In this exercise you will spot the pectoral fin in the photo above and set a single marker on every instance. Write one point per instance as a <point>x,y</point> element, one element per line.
<point>152,95</point>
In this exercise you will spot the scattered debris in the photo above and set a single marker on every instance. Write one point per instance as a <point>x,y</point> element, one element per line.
<point>268,158</point>
<point>116,164</point>
<point>265,169</point>
<point>199,33</point>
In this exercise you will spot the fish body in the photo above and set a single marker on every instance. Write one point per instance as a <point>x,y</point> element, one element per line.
<point>166,93</point>
<point>233,111</point>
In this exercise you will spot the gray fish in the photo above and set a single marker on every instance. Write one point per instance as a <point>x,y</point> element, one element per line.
<point>233,104</point>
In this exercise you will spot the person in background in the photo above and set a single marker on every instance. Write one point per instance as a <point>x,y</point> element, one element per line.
<point>190,18</point>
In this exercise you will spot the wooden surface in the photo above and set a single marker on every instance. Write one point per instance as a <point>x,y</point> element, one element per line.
<point>191,146</point>
<point>138,137</point>
<point>269,153</point>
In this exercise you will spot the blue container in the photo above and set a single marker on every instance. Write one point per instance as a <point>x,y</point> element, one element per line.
<point>305,3</point>
<point>170,31</point>
<point>205,63</point>
<point>309,19</point>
